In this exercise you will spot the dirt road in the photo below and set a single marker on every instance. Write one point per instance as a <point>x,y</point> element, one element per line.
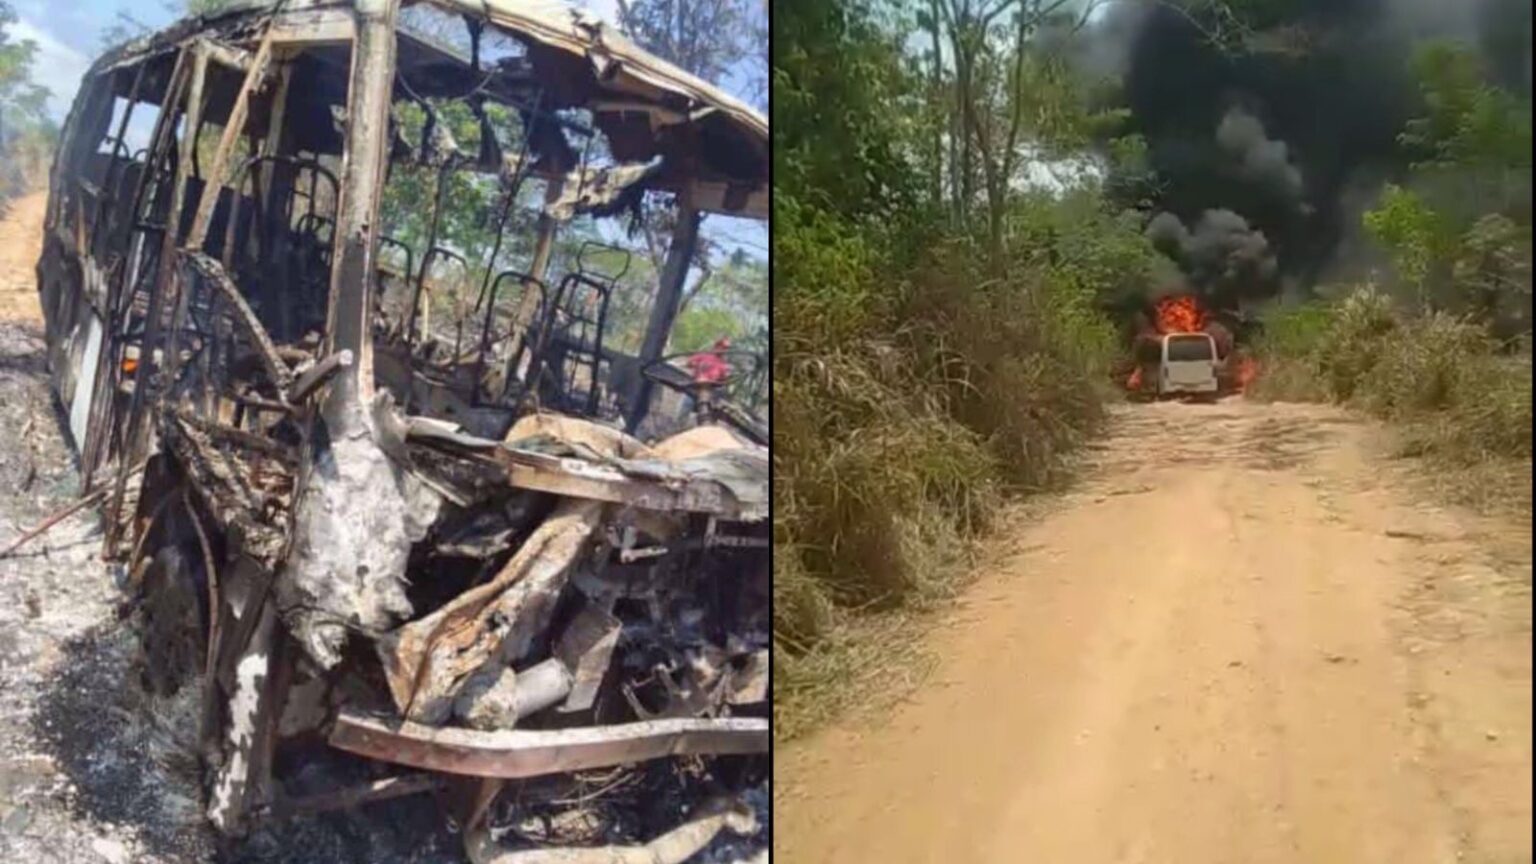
<point>20,240</point>
<point>1244,639</point>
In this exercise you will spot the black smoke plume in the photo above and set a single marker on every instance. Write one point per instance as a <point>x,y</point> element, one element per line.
<point>1258,159</point>
<point>1225,259</point>
<point>1283,140</point>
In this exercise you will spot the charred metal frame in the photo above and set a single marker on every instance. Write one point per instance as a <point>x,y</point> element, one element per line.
<point>190,380</point>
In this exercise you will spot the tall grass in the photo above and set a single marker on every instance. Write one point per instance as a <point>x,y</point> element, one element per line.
<point>913,392</point>
<point>1459,400</point>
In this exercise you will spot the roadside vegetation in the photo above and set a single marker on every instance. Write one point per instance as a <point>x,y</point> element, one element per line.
<point>947,239</point>
<point>27,135</point>
<point>1440,344</point>
<point>966,223</point>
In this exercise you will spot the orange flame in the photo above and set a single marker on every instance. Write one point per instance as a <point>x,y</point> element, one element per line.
<point>1180,315</point>
<point>1247,371</point>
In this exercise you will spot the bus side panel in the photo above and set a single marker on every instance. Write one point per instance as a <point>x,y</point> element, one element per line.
<point>89,337</point>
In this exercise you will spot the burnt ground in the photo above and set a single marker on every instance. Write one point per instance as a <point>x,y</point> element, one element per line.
<point>90,770</point>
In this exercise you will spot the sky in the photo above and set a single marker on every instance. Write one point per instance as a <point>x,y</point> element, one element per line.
<point>69,35</point>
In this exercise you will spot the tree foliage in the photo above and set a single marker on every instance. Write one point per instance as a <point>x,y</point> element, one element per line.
<point>1413,233</point>
<point>1468,121</point>
<point>710,38</point>
<point>1460,234</point>
<point>840,98</point>
<point>26,132</point>
<point>21,99</point>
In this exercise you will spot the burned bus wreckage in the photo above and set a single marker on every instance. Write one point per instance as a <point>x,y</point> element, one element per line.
<point>440,524</point>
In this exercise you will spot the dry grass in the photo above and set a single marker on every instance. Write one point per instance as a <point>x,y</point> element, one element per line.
<point>865,663</point>
<point>1459,403</point>
<point>891,457</point>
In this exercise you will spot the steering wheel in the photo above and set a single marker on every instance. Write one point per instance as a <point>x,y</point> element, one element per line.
<point>738,365</point>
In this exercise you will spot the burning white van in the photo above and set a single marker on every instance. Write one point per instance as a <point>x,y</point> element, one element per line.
<point>1188,364</point>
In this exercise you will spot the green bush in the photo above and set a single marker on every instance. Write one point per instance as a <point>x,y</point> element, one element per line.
<point>905,404</point>
<point>1352,344</point>
<point>914,387</point>
<point>1489,417</point>
<point>1288,351</point>
<point>873,474</point>
<point>823,276</point>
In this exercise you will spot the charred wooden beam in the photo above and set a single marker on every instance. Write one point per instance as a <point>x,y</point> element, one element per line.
<point>252,710</point>
<point>249,440</point>
<point>228,55</point>
<point>648,484</point>
<point>578,478</point>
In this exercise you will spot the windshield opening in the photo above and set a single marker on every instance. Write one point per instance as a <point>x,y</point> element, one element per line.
<point>1188,349</point>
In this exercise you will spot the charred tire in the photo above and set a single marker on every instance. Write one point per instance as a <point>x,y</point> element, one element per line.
<point>172,632</point>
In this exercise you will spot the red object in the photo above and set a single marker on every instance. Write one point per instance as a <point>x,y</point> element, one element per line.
<point>708,367</point>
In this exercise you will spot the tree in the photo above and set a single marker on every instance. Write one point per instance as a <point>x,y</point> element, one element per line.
<point>1467,120</point>
<point>1493,272</point>
<point>21,99</point>
<point>841,92</point>
<point>1016,98</point>
<point>1462,237</point>
<point>123,28</point>
<point>1414,234</point>
<point>26,133</point>
<point>706,37</point>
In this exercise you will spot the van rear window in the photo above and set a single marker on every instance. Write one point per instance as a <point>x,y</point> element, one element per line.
<point>1185,349</point>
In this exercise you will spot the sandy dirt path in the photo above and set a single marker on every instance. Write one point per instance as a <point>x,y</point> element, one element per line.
<point>1243,639</point>
<point>21,235</point>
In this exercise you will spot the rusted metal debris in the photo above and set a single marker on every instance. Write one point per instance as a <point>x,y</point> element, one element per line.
<point>90,499</point>
<point>413,521</point>
<point>53,519</point>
